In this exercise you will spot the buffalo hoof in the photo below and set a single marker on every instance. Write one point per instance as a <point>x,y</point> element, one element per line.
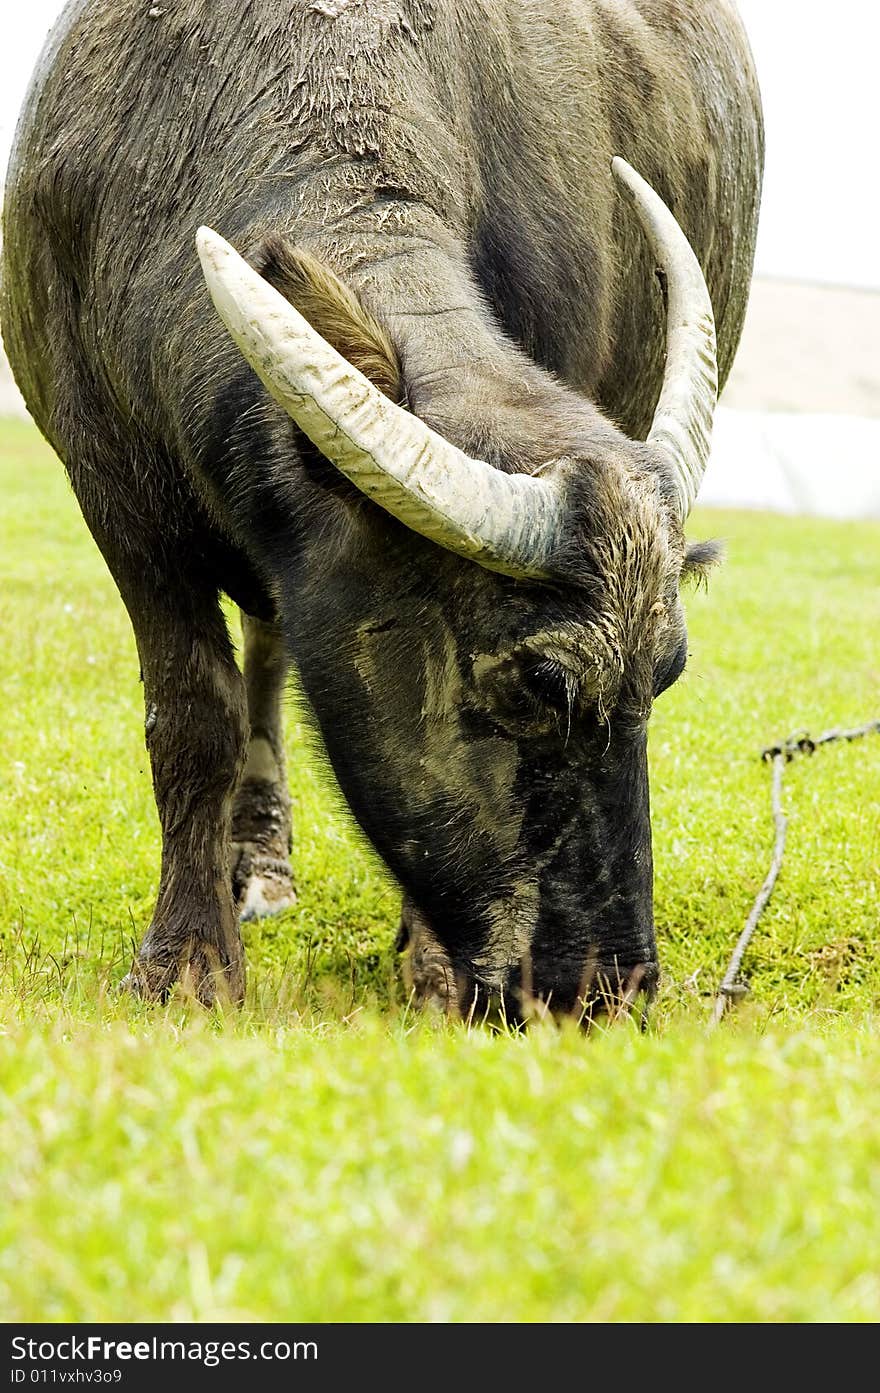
<point>427,971</point>
<point>200,973</point>
<point>261,885</point>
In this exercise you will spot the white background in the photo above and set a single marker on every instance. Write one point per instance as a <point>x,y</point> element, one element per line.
<point>818,65</point>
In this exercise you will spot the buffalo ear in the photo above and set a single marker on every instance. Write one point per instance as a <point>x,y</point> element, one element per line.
<point>334,310</point>
<point>699,559</point>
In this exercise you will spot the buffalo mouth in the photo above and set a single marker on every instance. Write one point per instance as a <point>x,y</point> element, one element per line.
<point>603,992</point>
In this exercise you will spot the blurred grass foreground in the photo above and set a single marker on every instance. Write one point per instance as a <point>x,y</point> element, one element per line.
<point>325,1154</point>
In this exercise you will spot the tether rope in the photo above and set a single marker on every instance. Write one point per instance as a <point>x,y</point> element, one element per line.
<point>732,986</point>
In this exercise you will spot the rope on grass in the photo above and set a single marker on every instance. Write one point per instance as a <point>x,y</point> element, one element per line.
<point>732,986</point>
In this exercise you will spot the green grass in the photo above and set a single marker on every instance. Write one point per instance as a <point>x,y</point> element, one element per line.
<point>326,1155</point>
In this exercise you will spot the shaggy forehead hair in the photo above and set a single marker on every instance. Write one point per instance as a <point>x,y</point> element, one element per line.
<point>632,560</point>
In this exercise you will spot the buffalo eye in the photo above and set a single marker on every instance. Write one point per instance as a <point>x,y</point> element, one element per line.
<point>551,685</point>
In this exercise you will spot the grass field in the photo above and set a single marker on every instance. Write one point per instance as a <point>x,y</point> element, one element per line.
<point>327,1155</point>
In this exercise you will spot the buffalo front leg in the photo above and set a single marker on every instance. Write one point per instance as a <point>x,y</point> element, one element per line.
<point>196,735</point>
<point>262,880</point>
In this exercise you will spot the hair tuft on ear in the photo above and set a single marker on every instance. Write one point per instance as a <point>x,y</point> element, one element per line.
<point>700,559</point>
<point>334,310</point>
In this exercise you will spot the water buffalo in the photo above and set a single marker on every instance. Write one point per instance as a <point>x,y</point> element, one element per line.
<point>459,507</point>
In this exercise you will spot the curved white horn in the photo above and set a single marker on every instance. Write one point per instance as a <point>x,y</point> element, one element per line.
<point>506,522</point>
<point>682,425</point>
